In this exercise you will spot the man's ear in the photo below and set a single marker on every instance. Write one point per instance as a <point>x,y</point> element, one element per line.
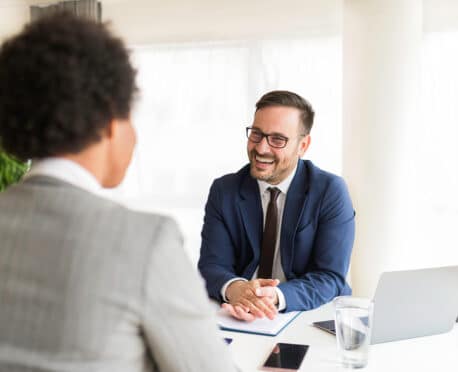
<point>304,145</point>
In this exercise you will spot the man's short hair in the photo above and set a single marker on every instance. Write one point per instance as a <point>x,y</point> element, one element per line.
<point>289,99</point>
<point>63,79</point>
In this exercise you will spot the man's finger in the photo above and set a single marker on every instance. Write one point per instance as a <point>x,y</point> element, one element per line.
<point>230,309</point>
<point>266,292</point>
<point>260,307</point>
<point>243,315</point>
<point>267,307</point>
<point>256,283</point>
<point>254,310</point>
<point>238,312</point>
<point>268,282</point>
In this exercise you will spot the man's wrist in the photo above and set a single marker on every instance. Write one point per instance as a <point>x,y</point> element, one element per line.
<point>226,286</point>
<point>231,287</point>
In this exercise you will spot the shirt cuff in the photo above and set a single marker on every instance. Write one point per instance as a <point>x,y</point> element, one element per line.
<point>281,299</point>
<point>223,290</point>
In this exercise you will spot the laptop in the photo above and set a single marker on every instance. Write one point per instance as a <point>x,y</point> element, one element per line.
<point>412,303</point>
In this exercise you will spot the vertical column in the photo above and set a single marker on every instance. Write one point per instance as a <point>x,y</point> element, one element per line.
<point>381,58</point>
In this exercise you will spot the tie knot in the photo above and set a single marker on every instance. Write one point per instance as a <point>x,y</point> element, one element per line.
<point>274,192</point>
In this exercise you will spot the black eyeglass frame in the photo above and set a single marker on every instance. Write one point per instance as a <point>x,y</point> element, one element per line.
<point>267,136</point>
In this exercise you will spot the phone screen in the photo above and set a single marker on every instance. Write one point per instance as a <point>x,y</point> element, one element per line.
<point>286,356</point>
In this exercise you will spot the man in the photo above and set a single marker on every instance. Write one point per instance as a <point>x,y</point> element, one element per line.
<point>277,234</point>
<point>86,284</point>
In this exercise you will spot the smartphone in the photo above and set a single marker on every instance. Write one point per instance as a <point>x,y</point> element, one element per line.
<point>285,357</point>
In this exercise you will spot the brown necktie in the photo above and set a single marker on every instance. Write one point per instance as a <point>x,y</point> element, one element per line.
<point>269,238</point>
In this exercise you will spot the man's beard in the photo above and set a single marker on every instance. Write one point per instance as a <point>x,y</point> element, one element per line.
<point>255,173</point>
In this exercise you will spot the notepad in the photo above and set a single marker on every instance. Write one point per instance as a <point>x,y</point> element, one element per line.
<point>262,326</point>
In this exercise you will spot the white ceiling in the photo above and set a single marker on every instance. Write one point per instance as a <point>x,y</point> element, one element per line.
<point>149,21</point>
<point>146,21</point>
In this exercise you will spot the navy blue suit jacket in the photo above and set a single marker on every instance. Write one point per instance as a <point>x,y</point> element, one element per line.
<point>317,235</point>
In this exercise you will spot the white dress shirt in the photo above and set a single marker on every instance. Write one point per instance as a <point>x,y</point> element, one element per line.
<point>277,270</point>
<point>65,170</point>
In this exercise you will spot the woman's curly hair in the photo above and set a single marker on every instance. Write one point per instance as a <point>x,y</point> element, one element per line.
<point>62,81</point>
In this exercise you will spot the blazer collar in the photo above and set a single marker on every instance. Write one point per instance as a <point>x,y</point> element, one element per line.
<point>296,199</point>
<point>251,211</point>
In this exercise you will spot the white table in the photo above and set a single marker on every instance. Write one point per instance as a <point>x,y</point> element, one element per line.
<point>437,353</point>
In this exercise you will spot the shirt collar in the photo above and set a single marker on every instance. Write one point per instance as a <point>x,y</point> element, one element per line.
<point>67,171</point>
<point>283,186</point>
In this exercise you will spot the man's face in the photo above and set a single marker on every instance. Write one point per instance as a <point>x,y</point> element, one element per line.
<point>272,164</point>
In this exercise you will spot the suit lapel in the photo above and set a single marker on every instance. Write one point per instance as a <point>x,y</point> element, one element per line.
<point>294,206</point>
<point>251,210</point>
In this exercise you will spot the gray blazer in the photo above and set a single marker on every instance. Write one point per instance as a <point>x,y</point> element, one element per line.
<point>88,285</point>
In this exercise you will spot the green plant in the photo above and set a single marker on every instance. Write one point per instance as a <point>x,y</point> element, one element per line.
<point>11,170</point>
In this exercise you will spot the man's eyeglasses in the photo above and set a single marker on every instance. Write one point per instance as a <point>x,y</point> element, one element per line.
<point>274,140</point>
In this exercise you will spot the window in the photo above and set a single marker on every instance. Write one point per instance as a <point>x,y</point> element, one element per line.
<point>197,99</point>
